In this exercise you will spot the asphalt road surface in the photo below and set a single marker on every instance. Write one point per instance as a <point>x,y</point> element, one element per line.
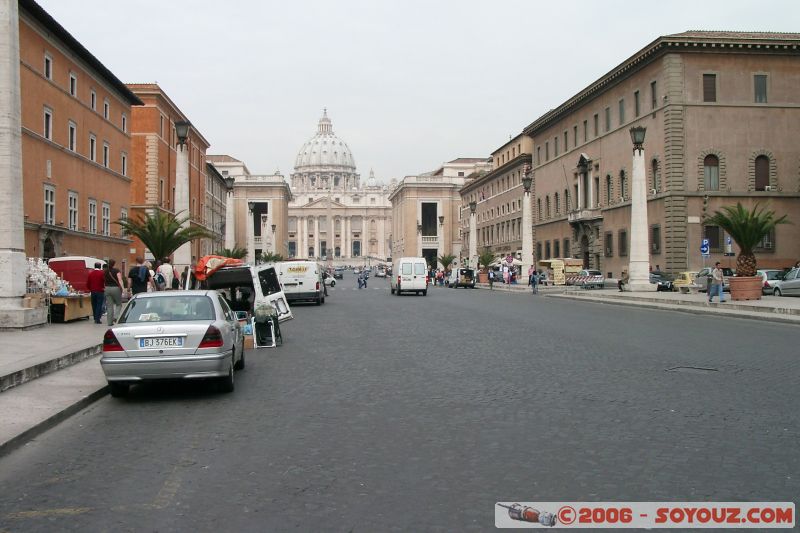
<point>411,413</point>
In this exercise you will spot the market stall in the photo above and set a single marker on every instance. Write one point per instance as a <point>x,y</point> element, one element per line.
<point>68,308</point>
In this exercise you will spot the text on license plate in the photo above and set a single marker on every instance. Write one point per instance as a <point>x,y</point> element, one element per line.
<point>161,342</point>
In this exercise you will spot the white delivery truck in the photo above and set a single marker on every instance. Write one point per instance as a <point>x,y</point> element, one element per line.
<point>302,281</point>
<point>246,287</point>
<point>410,274</point>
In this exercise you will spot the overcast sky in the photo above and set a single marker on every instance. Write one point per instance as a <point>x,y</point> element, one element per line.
<point>408,84</point>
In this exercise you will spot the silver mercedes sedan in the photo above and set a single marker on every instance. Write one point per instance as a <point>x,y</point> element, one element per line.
<point>173,335</point>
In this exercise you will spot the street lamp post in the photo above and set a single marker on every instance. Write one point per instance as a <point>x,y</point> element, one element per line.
<point>473,235</point>
<point>527,221</point>
<point>251,239</point>
<point>183,255</point>
<point>639,265</point>
<point>274,244</point>
<point>440,240</point>
<point>230,219</point>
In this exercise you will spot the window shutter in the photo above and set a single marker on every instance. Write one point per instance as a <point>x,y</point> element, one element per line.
<point>709,87</point>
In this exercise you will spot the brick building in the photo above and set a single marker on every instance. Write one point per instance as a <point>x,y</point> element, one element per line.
<point>76,143</point>
<point>154,164</point>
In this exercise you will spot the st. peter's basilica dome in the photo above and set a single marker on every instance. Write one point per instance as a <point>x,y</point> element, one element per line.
<point>325,151</point>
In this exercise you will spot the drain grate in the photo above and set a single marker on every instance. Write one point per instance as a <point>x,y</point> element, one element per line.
<point>692,369</point>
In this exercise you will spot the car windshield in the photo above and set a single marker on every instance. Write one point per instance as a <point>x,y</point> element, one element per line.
<point>168,308</point>
<point>774,274</point>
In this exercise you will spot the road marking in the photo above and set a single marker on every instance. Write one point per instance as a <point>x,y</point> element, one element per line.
<point>66,511</point>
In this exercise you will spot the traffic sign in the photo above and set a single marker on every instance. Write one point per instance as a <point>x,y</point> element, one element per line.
<point>705,242</point>
<point>704,249</point>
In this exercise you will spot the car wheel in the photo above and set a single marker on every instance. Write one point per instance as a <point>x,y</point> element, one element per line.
<point>425,292</point>
<point>226,384</point>
<point>240,363</point>
<point>391,290</point>
<point>117,389</point>
<point>333,283</point>
<point>777,292</point>
<point>398,290</point>
<point>319,300</point>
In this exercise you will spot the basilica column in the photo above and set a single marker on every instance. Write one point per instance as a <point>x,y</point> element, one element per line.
<point>302,237</point>
<point>316,236</point>
<point>346,233</point>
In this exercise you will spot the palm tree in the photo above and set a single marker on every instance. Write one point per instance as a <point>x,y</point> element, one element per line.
<point>269,257</point>
<point>162,233</point>
<point>746,228</point>
<point>447,260</point>
<point>234,253</point>
<point>486,258</point>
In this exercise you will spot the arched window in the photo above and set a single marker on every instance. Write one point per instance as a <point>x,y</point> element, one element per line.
<point>608,189</point>
<point>654,165</point>
<point>623,184</point>
<point>567,205</point>
<point>539,208</point>
<point>547,206</point>
<point>711,173</point>
<point>556,202</point>
<point>762,172</point>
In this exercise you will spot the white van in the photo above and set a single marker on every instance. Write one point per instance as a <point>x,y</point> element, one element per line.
<point>301,280</point>
<point>246,286</point>
<point>410,274</point>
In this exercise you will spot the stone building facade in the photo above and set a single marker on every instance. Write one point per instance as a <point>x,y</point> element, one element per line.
<point>326,187</point>
<point>498,196</point>
<point>427,210</point>
<point>722,117</point>
<point>76,144</point>
<point>155,167</point>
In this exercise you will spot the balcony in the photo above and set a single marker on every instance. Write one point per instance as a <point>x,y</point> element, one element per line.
<point>585,215</point>
<point>257,240</point>
<point>431,241</point>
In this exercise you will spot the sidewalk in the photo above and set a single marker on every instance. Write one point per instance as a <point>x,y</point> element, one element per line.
<point>65,359</point>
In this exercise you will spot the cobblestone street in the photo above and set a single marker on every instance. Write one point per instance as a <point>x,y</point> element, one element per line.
<point>419,413</point>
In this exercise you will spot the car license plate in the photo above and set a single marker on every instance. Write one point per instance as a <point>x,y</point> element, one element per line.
<point>161,342</point>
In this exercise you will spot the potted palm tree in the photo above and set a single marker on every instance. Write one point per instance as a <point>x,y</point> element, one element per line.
<point>747,228</point>
<point>162,233</point>
<point>484,260</point>
<point>447,262</point>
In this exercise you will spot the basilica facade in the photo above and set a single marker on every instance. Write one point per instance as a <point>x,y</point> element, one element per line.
<point>333,216</point>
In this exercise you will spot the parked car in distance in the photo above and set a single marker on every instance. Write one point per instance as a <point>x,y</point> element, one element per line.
<point>596,279</point>
<point>329,280</point>
<point>770,278</point>
<point>462,277</point>
<point>380,273</point>
<point>173,335</point>
<point>301,280</point>
<point>356,271</point>
<point>683,279</point>
<point>338,273</point>
<point>789,285</point>
<point>662,279</point>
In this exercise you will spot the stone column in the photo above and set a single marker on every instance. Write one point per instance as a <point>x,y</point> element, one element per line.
<point>639,264</point>
<point>527,233</point>
<point>13,264</point>
<point>251,238</point>
<point>302,237</point>
<point>316,237</point>
<point>230,221</point>
<point>183,255</point>
<point>346,234</point>
<point>580,194</point>
<point>473,240</point>
<point>590,182</point>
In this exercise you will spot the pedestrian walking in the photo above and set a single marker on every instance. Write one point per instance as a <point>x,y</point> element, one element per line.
<point>717,284</point>
<point>96,285</point>
<point>491,280</point>
<point>534,282</point>
<point>140,277</point>
<point>164,275</point>
<point>112,279</point>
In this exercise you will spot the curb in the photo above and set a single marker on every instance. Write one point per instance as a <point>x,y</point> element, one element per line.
<point>772,317</point>
<point>48,423</point>
<point>36,371</point>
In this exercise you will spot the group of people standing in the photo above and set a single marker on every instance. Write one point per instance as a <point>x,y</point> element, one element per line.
<point>107,286</point>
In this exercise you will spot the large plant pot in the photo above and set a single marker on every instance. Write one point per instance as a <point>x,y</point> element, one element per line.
<point>483,277</point>
<point>746,288</point>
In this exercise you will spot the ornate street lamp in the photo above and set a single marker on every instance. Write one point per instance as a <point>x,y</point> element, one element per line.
<point>473,205</point>
<point>182,131</point>
<point>251,206</point>
<point>527,180</point>
<point>441,220</point>
<point>637,136</point>
<point>229,181</point>
<point>419,227</point>
<point>274,227</point>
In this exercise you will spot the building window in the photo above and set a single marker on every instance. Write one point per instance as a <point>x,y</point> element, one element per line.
<point>161,126</point>
<point>106,109</point>
<point>636,109</point>
<point>106,150</point>
<point>539,208</point>
<point>73,131</point>
<point>762,172</point>
<point>622,242</point>
<point>124,164</point>
<point>48,67</point>
<point>547,151</point>
<point>654,168</point>
<point>93,100</point>
<point>557,203</point>
<point>123,215</point>
<point>93,148</point>
<point>567,204</point>
<point>49,205</point>
<point>547,249</point>
<point>608,189</point>
<point>460,174</point>
<point>586,131</point>
<point>623,185</point>
<point>556,248</point>
<point>622,112</point>
<point>596,125</point>
<point>92,216</point>
<point>567,253</point>
<point>574,136</point>
<point>608,119</point>
<point>609,244</point>
<point>711,173</point>
<point>538,155</point>
<point>767,243</point>
<point>655,239</point>
<point>547,206</point>
<point>653,98</point>
<point>124,123</point>
<point>566,142</point>
<point>106,219</point>
<point>72,213</point>
<point>48,124</point>
<point>555,146</point>
<point>73,84</point>
<point>760,88</point>
<point>539,250</point>
<point>709,87</point>
<point>713,234</point>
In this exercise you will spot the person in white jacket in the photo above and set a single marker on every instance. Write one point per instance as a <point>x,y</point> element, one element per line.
<point>168,272</point>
